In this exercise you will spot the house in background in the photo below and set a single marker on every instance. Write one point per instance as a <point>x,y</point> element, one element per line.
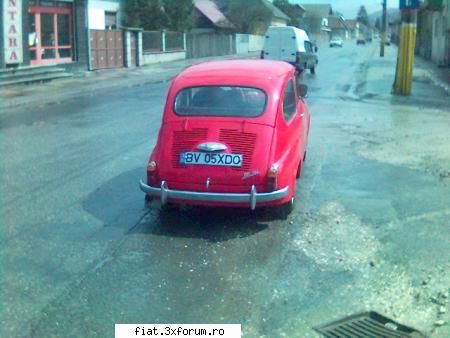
<point>208,17</point>
<point>278,18</point>
<point>315,21</point>
<point>353,28</point>
<point>338,27</point>
<point>104,14</point>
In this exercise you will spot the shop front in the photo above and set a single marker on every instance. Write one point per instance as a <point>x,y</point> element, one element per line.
<point>50,31</point>
<point>44,32</point>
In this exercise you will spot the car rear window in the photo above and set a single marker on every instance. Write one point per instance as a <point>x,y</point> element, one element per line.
<point>220,101</point>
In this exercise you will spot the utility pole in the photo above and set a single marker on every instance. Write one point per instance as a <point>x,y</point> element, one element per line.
<point>405,58</point>
<point>383,30</point>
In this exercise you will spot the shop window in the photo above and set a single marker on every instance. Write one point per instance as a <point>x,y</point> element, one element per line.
<point>63,30</point>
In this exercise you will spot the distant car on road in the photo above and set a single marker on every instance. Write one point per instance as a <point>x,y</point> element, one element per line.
<point>360,41</point>
<point>336,42</point>
<point>233,133</point>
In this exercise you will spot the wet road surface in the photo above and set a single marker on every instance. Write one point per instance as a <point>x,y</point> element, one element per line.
<point>80,251</point>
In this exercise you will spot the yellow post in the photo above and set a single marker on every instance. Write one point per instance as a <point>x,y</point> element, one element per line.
<point>411,45</point>
<point>405,61</point>
<point>400,71</point>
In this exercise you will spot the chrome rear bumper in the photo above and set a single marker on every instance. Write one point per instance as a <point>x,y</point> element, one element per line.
<point>252,198</point>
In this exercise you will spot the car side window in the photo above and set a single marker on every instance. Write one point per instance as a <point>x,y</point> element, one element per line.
<point>289,101</point>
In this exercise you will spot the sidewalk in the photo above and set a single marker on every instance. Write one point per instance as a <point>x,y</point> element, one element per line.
<point>439,76</point>
<point>96,82</point>
<point>429,81</point>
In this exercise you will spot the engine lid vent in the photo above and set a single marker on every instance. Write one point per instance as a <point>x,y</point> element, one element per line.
<point>367,325</point>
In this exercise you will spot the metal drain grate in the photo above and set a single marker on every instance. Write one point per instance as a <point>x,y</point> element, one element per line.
<point>367,325</point>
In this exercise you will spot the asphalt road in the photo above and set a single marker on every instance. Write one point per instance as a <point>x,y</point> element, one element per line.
<point>80,251</point>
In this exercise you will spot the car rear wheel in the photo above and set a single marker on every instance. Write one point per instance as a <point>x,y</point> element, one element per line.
<point>299,170</point>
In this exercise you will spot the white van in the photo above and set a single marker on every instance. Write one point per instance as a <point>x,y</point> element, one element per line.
<point>290,44</point>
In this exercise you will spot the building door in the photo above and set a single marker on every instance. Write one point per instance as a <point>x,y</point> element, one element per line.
<point>50,32</point>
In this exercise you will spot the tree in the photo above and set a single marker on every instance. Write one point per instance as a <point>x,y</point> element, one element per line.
<point>146,14</point>
<point>362,16</point>
<point>158,14</point>
<point>179,14</point>
<point>249,16</point>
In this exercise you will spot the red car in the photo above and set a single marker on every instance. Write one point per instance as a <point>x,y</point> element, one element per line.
<point>233,133</point>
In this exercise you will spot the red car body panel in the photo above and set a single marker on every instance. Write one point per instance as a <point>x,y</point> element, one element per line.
<point>263,140</point>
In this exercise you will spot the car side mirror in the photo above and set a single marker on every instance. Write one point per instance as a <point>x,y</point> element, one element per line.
<point>302,90</point>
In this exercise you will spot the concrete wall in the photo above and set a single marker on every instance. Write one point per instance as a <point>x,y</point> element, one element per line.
<point>152,58</point>
<point>255,43</point>
<point>440,40</point>
<point>247,43</point>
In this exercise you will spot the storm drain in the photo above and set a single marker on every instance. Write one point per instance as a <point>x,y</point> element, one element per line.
<point>367,325</point>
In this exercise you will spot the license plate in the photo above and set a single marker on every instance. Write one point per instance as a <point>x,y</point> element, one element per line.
<point>229,160</point>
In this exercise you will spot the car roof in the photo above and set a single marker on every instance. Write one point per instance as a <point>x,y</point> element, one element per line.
<point>234,70</point>
<point>268,75</point>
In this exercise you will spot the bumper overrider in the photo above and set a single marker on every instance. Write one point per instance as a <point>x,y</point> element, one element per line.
<point>252,198</point>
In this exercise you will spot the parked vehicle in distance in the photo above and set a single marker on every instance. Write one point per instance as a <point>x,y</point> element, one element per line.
<point>290,44</point>
<point>233,133</point>
<point>360,41</point>
<point>336,42</point>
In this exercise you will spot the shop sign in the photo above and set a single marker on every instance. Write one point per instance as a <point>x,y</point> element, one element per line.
<point>12,29</point>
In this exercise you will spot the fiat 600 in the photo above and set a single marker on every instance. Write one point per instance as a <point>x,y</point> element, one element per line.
<point>233,133</point>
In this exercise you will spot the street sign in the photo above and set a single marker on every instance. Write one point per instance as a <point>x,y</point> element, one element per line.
<point>409,4</point>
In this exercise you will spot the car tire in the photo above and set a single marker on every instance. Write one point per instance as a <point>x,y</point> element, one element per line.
<point>313,70</point>
<point>299,170</point>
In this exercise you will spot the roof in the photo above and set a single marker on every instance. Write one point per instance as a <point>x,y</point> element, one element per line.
<point>317,10</point>
<point>276,12</point>
<point>210,10</point>
<point>335,22</point>
<point>351,23</point>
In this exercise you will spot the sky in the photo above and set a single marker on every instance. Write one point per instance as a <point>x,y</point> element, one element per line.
<point>349,8</point>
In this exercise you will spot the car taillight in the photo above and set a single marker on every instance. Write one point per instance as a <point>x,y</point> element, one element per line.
<point>297,57</point>
<point>272,178</point>
<point>152,177</point>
